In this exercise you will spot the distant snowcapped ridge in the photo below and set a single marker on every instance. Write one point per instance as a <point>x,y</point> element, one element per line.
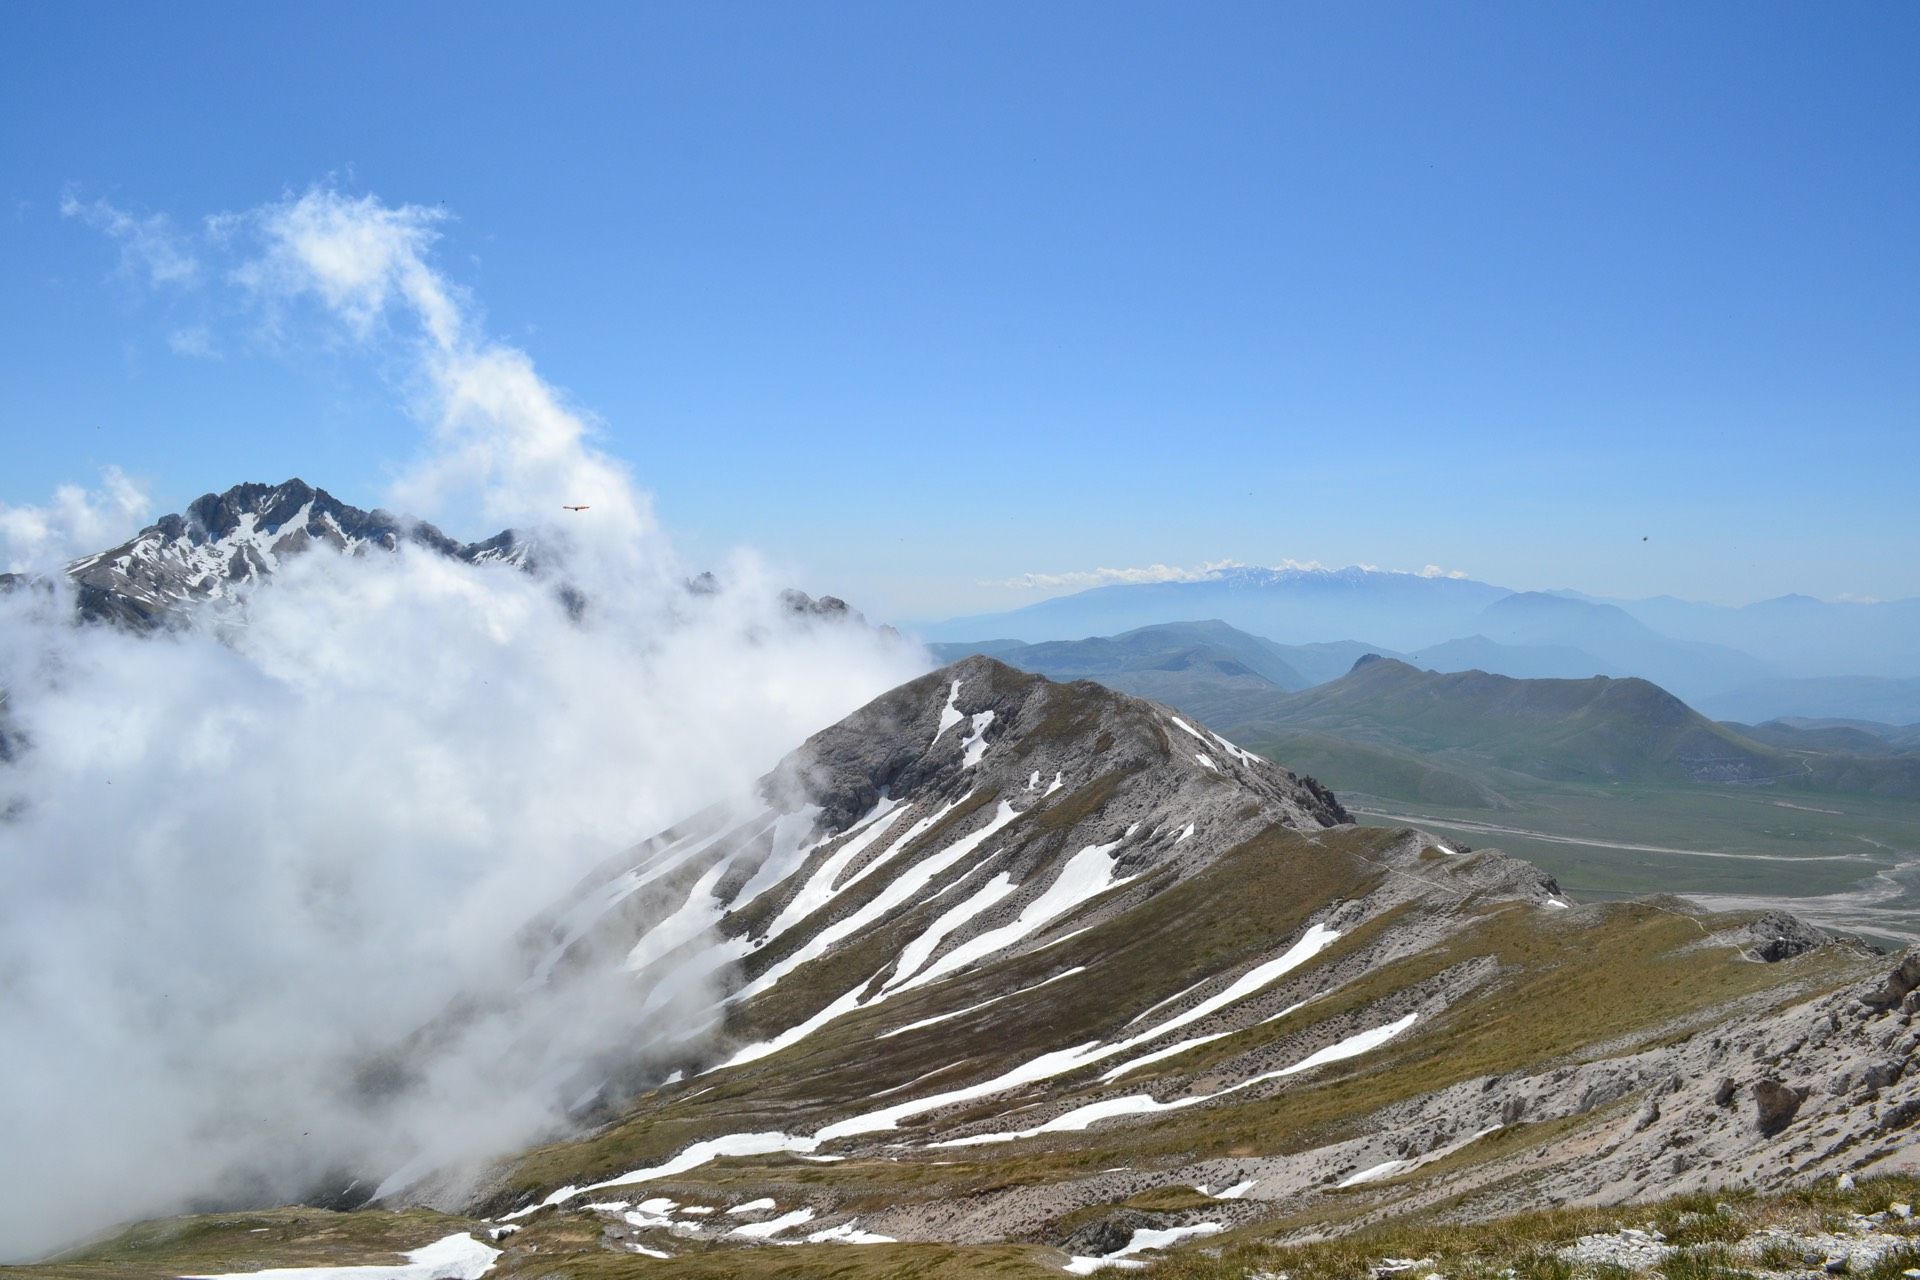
<point>224,542</point>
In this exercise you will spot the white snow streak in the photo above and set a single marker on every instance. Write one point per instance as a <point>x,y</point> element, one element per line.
<point>774,1226</point>
<point>949,715</point>
<point>849,1233</point>
<point>915,953</point>
<point>1383,1170</point>
<point>455,1257</point>
<point>975,1008</point>
<point>1088,874</point>
<point>752,1206</point>
<point>1143,1239</point>
<point>975,746</point>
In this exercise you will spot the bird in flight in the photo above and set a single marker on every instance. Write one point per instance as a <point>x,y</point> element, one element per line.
<point>569,507</point>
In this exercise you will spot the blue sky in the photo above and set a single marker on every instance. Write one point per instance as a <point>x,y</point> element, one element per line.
<point>918,298</point>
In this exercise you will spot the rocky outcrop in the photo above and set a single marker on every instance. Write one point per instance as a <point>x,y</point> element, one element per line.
<point>1775,1104</point>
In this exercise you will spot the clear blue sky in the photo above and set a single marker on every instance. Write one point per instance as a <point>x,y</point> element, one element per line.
<point>917,296</point>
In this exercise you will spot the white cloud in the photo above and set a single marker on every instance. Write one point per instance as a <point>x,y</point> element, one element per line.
<point>77,521</point>
<point>195,342</point>
<point>149,246</point>
<point>357,255</point>
<point>1081,578</point>
<point>246,855</point>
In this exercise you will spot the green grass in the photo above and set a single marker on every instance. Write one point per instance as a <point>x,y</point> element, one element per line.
<point>1710,1263</point>
<point>226,1242</point>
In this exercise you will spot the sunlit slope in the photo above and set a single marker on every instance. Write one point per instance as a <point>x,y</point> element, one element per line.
<point>1597,730</point>
<point>1012,977</point>
<point>1233,996</point>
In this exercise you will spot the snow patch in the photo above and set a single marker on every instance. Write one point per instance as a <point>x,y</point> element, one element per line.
<point>752,1206</point>
<point>976,744</point>
<point>1087,874</point>
<point>1182,724</point>
<point>1143,1239</point>
<point>774,1226</point>
<point>1385,1169</point>
<point>455,1257</point>
<point>949,715</point>
<point>974,1008</point>
<point>849,1233</point>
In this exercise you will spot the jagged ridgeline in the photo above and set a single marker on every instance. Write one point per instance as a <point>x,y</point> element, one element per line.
<point>225,543</point>
<point>1013,976</point>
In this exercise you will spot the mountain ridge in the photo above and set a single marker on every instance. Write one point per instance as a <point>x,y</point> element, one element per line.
<point>1024,970</point>
<point>225,542</point>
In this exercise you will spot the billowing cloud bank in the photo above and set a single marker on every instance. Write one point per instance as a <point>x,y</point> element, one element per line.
<point>241,860</point>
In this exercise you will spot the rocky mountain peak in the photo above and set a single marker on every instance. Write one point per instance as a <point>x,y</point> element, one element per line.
<point>981,724</point>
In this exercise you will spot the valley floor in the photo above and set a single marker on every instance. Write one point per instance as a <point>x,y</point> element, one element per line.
<point>1850,863</point>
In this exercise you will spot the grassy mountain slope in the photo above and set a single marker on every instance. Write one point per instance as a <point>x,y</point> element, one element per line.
<point>1848,738</point>
<point>1253,1017</point>
<point>1525,661</point>
<point>1690,668</point>
<point>1594,729</point>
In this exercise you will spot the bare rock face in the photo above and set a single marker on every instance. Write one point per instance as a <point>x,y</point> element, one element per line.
<point>1900,984</point>
<point>1108,1234</point>
<point>1777,936</point>
<point>1775,1105</point>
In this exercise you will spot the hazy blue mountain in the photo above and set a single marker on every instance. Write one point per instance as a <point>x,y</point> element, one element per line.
<point>1448,623</point>
<point>1798,634</point>
<point>1207,669</point>
<point>1290,606</point>
<point>1528,661</point>
<point>1880,699</point>
<point>1690,668</point>
<point>1331,659</point>
<point>1483,728</point>
<point>1905,737</point>
<point>1808,736</point>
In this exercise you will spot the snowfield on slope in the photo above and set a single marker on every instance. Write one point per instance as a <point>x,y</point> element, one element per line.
<point>455,1257</point>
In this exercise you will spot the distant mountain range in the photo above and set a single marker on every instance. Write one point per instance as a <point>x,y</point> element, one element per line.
<point>1388,727</point>
<point>1798,634</point>
<point>1291,606</point>
<point>225,543</point>
<point>1879,699</point>
<point>1697,651</point>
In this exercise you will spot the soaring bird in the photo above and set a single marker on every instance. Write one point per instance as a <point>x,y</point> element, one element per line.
<point>568,507</point>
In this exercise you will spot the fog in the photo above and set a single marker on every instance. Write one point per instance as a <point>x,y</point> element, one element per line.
<point>243,856</point>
